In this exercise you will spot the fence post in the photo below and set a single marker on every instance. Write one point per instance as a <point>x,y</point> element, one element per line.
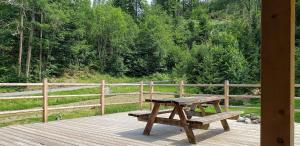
<point>45,100</point>
<point>141,95</point>
<point>151,88</point>
<point>181,88</point>
<point>102,98</point>
<point>226,95</point>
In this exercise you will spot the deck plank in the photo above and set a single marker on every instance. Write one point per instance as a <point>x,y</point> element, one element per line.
<point>120,129</point>
<point>39,140</point>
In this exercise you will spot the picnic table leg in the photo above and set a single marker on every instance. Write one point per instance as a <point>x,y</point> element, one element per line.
<point>151,119</point>
<point>202,110</point>
<point>187,129</point>
<point>173,113</point>
<point>219,110</point>
<point>189,113</point>
<point>205,127</point>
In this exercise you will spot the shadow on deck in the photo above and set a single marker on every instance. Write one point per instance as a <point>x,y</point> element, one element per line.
<point>119,129</point>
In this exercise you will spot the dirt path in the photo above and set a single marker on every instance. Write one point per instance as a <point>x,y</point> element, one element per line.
<point>24,93</point>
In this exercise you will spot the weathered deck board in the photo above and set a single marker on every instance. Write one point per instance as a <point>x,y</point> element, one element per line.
<point>120,129</point>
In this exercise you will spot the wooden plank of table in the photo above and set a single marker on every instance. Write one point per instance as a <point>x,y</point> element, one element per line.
<point>184,124</point>
<point>185,101</point>
<point>151,119</point>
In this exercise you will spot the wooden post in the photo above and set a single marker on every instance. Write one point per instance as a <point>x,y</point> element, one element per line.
<point>226,95</point>
<point>181,89</point>
<point>278,72</point>
<point>141,95</point>
<point>151,90</point>
<point>45,100</point>
<point>102,98</point>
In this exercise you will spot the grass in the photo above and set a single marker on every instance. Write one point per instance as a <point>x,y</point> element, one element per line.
<point>256,103</point>
<point>10,89</point>
<point>21,104</point>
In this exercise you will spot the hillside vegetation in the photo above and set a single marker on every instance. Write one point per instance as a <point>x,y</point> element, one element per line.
<point>201,41</point>
<point>198,41</point>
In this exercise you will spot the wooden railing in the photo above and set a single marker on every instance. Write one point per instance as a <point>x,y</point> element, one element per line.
<point>102,85</point>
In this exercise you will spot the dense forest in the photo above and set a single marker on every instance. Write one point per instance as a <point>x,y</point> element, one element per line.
<point>205,41</point>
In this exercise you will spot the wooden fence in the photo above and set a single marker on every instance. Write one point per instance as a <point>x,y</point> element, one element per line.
<point>181,85</point>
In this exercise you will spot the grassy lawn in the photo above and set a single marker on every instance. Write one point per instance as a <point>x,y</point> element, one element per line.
<point>21,104</point>
<point>256,103</point>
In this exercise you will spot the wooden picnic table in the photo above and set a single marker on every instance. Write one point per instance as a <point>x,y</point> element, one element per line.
<point>185,108</point>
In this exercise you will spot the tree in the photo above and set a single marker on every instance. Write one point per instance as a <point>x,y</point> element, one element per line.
<point>172,7</point>
<point>154,41</point>
<point>21,34</point>
<point>113,33</point>
<point>132,7</point>
<point>30,39</point>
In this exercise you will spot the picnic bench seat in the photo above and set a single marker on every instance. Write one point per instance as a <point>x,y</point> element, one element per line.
<point>148,113</point>
<point>214,117</point>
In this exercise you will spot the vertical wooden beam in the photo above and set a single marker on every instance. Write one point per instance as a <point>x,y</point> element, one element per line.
<point>181,89</point>
<point>141,95</point>
<point>45,100</point>
<point>226,95</point>
<point>278,72</point>
<point>151,90</point>
<point>102,98</point>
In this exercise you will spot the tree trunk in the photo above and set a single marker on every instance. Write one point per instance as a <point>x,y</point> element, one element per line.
<point>21,39</point>
<point>28,60</point>
<point>41,49</point>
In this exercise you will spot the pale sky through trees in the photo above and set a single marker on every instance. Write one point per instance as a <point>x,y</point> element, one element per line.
<point>149,1</point>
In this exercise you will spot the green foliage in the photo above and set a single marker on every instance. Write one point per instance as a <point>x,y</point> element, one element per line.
<point>201,41</point>
<point>113,33</point>
<point>152,45</point>
<point>214,64</point>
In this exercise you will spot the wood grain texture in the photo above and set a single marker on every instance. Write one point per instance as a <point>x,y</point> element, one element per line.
<point>219,111</point>
<point>214,117</point>
<point>186,101</point>
<point>102,97</point>
<point>181,89</point>
<point>183,121</point>
<point>151,119</point>
<point>141,97</point>
<point>151,92</point>
<point>226,95</point>
<point>45,100</point>
<point>119,129</point>
<point>278,72</point>
<point>147,113</point>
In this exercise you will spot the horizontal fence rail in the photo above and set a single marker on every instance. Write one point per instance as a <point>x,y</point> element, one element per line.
<point>102,85</point>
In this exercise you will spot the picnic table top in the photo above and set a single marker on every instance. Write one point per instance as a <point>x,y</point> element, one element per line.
<point>184,101</point>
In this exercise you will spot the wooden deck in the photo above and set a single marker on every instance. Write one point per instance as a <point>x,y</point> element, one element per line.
<point>120,129</point>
